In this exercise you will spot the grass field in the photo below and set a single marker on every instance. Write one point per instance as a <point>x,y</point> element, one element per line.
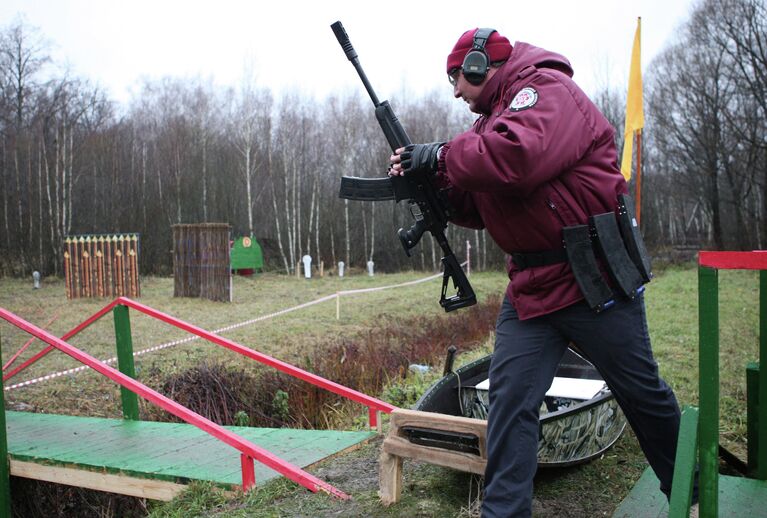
<point>593,489</point>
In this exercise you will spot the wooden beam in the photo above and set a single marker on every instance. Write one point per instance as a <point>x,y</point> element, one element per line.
<point>755,260</point>
<point>389,478</point>
<point>111,483</point>
<point>396,447</point>
<point>124,344</point>
<point>708,382</point>
<point>685,464</point>
<point>450,459</point>
<point>401,417</point>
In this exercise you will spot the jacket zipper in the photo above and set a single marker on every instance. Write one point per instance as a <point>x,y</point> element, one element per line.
<point>553,207</point>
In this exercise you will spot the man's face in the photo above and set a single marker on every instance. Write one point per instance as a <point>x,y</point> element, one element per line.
<point>462,89</point>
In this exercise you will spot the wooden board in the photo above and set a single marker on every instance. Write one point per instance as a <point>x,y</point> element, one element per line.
<point>737,497</point>
<point>396,447</point>
<point>396,444</point>
<point>170,452</point>
<point>131,486</point>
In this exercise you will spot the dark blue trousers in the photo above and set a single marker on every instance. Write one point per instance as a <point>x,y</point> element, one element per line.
<point>524,362</point>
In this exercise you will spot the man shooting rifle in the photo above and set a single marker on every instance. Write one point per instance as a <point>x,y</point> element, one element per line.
<point>427,204</point>
<point>538,170</point>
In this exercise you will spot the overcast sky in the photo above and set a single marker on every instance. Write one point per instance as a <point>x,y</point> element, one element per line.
<point>402,45</point>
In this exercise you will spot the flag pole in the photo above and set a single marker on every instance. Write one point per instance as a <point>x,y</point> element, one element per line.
<point>634,121</point>
<point>638,196</point>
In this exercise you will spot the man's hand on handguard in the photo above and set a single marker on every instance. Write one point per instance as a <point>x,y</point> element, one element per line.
<point>415,158</point>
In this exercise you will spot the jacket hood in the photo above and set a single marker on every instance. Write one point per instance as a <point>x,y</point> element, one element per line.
<point>522,56</point>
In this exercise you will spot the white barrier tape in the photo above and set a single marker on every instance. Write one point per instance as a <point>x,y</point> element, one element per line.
<point>278,313</point>
<point>223,329</point>
<point>171,344</point>
<point>379,288</point>
<point>107,361</point>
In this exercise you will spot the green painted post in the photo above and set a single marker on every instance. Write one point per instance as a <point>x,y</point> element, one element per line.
<point>125,360</point>
<point>761,459</point>
<point>5,469</point>
<point>684,464</point>
<point>708,426</point>
<point>752,417</point>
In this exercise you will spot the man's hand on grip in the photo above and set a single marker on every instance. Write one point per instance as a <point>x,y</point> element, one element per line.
<point>416,158</point>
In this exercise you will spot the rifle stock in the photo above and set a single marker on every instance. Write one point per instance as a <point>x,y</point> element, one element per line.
<point>428,206</point>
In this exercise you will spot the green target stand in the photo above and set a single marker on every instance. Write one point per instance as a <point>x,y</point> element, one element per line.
<point>744,496</point>
<point>698,445</point>
<point>247,255</point>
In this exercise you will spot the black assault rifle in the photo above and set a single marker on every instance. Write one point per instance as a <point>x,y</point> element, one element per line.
<point>427,205</point>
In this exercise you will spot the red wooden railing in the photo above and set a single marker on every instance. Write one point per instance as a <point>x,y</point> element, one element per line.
<point>374,405</point>
<point>69,334</point>
<point>248,451</point>
<point>24,347</point>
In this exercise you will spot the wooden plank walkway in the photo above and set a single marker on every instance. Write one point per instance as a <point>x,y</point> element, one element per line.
<point>172,453</point>
<point>738,497</point>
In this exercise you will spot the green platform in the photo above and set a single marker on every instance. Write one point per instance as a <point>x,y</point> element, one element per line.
<point>171,452</point>
<point>738,497</point>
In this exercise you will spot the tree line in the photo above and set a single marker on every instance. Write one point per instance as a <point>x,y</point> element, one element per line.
<point>72,161</point>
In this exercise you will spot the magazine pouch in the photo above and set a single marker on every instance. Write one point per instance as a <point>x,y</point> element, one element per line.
<point>632,237</point>
<point>609,243</point>
<point>583,262</point>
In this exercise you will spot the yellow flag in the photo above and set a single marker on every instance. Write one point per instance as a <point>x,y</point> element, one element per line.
<point>634,111</point>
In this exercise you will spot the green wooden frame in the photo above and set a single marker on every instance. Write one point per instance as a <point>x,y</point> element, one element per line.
<point>752,417</point>
<point>708,365</point>
<point>684,467</point>
<point>708,425</point>
<point>125,363</point>
<point>761,453</point>
<point>756,389</point>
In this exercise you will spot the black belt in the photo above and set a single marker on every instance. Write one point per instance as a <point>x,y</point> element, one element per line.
<point>525,260</point>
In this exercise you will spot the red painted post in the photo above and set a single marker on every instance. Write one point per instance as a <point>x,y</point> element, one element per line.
<point>248,472</point>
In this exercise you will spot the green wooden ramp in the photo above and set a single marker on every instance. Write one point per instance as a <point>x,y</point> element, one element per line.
<point>174,453</point>
<point>738,496</point>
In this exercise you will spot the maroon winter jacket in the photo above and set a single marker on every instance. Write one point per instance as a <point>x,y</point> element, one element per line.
<point>536,161</point>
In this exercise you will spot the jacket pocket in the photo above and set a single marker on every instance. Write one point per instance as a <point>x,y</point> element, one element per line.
<point>562,206</point>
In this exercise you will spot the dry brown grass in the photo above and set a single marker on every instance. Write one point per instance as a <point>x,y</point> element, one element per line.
<point>367,362</point>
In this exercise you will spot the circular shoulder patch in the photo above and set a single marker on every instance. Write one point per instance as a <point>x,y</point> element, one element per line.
<point>525,98</point>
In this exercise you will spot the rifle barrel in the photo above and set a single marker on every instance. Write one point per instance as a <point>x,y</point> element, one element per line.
<point>351,54</point>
